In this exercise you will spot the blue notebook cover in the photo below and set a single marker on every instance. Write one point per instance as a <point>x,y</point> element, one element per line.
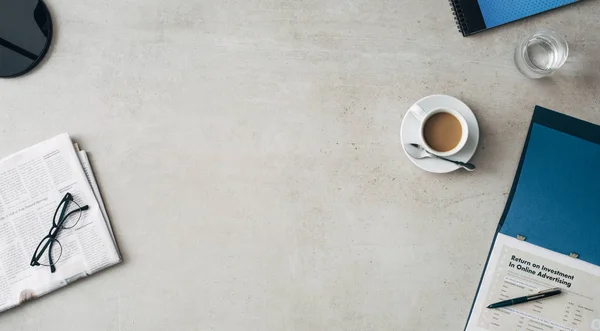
<point>477,15</point>
<point>555,198</point>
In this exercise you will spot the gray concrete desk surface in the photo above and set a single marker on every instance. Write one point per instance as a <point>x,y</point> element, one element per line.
<point>249,155</point>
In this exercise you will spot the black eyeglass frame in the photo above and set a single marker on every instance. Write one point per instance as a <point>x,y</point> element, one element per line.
<point>52,236</point>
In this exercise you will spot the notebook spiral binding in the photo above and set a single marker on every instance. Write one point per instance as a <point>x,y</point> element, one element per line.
<point>459,16</point>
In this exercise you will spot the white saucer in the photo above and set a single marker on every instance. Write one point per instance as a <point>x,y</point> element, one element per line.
<point>409,133</point>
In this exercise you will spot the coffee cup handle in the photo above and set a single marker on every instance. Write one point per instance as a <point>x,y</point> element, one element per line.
<point>418,112</point>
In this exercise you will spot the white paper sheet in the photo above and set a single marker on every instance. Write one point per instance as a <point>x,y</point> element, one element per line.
<point>517,268</point>
<point>89,173</point>
<point>32,183</point>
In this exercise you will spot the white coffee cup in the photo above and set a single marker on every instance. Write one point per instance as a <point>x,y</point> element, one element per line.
<point>423,116</point>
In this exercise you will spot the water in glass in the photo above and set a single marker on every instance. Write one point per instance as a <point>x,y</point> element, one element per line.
<point>541,53</point>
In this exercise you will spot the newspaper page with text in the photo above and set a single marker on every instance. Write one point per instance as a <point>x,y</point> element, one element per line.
<point>32,184</point>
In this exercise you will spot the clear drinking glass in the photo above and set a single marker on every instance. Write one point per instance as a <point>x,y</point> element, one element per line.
<point>541,53</point>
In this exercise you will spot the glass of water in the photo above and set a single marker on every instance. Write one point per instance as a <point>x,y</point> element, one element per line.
<point>541,53</point>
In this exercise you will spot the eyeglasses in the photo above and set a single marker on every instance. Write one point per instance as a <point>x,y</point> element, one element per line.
<point>70,214</point>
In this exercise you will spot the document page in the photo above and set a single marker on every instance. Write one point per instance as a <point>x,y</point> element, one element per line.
<point>517,269</point>
<point>32,184</point>
<point>89,174</point>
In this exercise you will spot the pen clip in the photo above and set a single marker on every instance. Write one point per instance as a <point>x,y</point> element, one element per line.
<point>548,290</point>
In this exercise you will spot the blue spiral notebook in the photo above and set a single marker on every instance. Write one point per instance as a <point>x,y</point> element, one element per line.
<point>549,233</point>
<point>477,15</point>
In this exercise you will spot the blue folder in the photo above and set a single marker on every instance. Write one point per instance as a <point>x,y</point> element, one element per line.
<point>477,15</point>
<point>554,202</point>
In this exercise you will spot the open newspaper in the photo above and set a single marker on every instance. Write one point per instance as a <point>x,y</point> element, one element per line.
<point>32,184</point>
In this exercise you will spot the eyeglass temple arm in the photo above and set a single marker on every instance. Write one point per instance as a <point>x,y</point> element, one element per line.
<point>63,219</point>
<point>36,258</point>
<point>51,262</point>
